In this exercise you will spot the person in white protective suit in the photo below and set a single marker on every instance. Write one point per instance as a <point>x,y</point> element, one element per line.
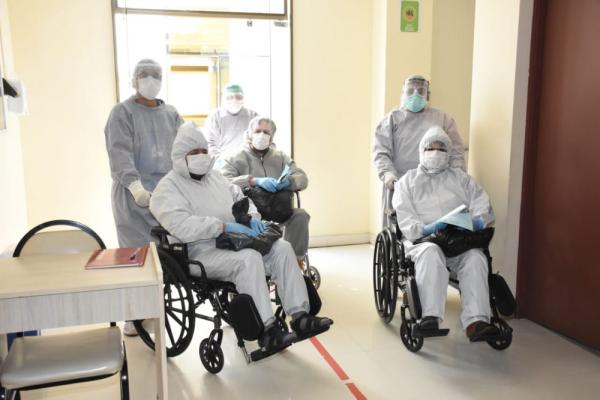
<point>397,137</point>
<point>421,197</point>
<point>226,125</point>
<point>193,202</point>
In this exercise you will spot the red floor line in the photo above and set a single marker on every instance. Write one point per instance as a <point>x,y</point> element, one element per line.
<point>337,369</point>
<point>356,392</point>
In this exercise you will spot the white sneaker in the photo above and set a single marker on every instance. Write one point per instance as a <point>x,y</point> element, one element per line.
<point>129,329</point>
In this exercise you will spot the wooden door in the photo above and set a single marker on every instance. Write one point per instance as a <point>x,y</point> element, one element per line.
<point>559,257</point>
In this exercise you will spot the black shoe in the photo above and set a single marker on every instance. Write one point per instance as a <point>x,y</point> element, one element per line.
<point>429,324</point>
<point>307,326</point>
<point>480,331</point>
<point>274,337</point>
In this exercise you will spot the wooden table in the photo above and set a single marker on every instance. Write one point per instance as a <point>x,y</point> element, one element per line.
<point>51,291</point>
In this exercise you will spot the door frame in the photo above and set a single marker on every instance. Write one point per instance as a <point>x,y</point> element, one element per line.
<point>536,58</point>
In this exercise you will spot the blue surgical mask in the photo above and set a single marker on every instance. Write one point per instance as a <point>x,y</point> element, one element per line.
<point>415,103</point>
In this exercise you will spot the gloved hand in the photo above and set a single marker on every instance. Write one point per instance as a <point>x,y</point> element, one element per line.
<point>282,184</point>
<point>269,184</point>
<point>257,225</point>
<point>140,194</point>
<point>389,180</point>
<point>234,227</point>
<point>433,227</point>
<point>478,224</point>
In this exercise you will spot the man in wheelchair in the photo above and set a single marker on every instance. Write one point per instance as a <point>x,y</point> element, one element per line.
<point>424,195</point>
<point>259,164</point>
<point>193,202</point>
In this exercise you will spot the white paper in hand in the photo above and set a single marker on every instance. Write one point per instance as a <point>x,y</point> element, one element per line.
<point>460,217</point>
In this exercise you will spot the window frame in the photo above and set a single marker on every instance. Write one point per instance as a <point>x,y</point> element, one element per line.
<point>286,16</point>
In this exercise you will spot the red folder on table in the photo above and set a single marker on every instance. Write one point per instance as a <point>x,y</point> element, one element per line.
<point>116,258</point>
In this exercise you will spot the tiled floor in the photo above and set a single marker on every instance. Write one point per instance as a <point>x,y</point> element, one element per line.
<point>539,364</point>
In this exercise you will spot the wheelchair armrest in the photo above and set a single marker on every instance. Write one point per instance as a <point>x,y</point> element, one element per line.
<point>202,270</point>
<point>159,232</point>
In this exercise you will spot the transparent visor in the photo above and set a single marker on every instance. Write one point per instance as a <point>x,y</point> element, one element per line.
<point>415,88</point>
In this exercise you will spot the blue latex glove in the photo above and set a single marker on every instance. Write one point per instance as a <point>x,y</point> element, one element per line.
<point>234,227</point>
<point>282,184</point>
<point>257,225</point>
<point>269,184</point>
<point>433,227</point>
<point>478,224</point>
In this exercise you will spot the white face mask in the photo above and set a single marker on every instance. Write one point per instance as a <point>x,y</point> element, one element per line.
<point>434,160</point>
<point>199,164</point>
<point>233,106</point>
<point>149,87</point>
<point>260,141</point>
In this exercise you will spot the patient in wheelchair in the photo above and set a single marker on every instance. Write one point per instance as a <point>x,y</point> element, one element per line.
<point>423,196</point>
<point>259,164</point>
<point>193,202</point>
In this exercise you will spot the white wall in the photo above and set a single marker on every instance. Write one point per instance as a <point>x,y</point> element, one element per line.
<point>332,120</point>
<point>452,60</point>
<point>63,50</point>
<point>13,212</point>
<point>499,97</point>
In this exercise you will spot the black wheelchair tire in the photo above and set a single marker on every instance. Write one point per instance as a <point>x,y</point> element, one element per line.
<point>174,279</point>
<point>385,277</point>
<point>211,356</point>
<point>411,342</point>
<point>314,275</point>
<point>505,339</point>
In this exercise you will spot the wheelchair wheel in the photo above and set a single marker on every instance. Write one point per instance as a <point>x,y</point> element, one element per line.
<point>385,279</point>
<point>314,275</point>
<point>225,297</point>
<point>505,339</point>
<point>211,355</point>
<point>180,312</point>
<point>411,342</point>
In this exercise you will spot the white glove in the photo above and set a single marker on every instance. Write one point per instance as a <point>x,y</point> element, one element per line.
<point>140,194</point>
<point>389,180</point>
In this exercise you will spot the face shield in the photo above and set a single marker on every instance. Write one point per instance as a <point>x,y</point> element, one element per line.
<point>415,94</point>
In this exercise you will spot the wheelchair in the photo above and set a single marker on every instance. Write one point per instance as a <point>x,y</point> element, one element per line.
<point>310,271</point>
<point>184,294</point>
<point>393,271</point>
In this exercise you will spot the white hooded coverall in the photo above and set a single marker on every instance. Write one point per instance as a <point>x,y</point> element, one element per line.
<point>421,197</point>
<point>194,211</point>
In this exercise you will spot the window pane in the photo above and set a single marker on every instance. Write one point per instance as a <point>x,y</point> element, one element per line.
<point>249,6</point>
<point>200,56</point>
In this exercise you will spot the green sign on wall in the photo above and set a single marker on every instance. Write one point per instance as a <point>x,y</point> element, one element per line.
<point>409,16</point>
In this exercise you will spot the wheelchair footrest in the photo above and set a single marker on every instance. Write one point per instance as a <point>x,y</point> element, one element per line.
<point>425,333</point>
<point>259,354</point>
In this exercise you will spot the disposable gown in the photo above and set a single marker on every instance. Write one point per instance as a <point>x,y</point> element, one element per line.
<point>225,131</point>
<point>138,141</point>
<point>396,145</point>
